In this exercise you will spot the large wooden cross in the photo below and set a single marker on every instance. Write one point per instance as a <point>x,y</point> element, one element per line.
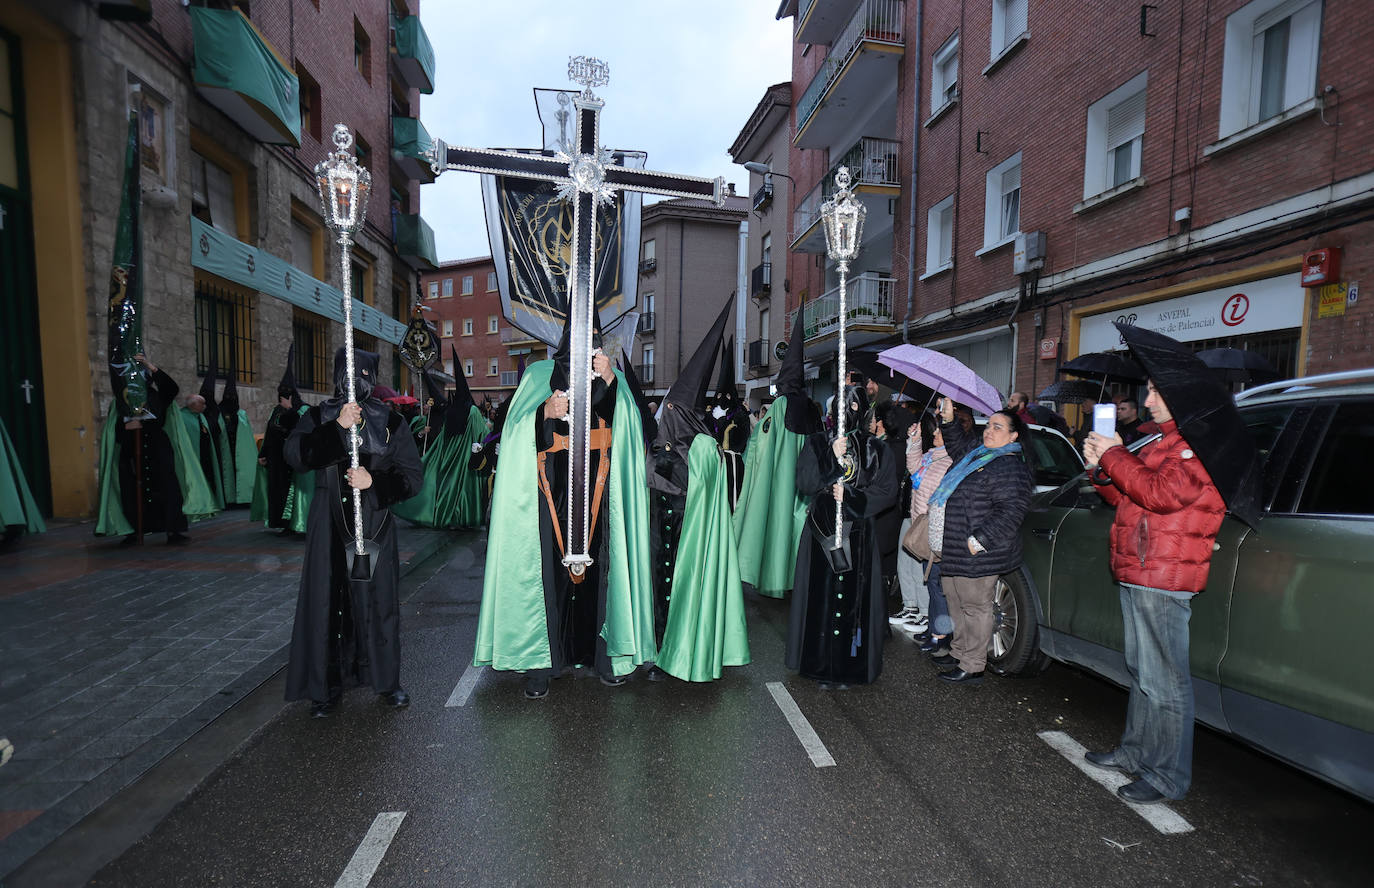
<point>587,178</point>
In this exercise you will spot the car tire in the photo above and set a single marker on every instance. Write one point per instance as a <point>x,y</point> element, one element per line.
<point>1014,648</point>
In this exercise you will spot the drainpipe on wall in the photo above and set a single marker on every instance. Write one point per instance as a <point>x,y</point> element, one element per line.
<point>741,297</point>
<point>681,264</point>
<point>915,162</point>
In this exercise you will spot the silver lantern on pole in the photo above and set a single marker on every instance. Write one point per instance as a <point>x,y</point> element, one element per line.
<point>843,217</point>
<point>344,188</point>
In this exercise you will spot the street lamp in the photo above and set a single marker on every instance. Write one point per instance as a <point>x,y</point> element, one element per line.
<point>344,187</point>
<point>843,217</point>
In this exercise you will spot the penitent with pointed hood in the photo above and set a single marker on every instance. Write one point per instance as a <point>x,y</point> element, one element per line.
<point>698,599</point>
<point>769,513</point>
<point>281,496</point>
<point>730,421</point>
<point>239,453</point>
<point>451,494</point>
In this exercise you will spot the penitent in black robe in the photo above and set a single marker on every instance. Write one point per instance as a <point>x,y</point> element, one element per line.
<point>279,472</point>
<point>348,631</point>
<point>838,622</point>
<point>161,490</point>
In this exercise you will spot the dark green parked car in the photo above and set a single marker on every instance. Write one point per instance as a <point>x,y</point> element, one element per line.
<point>1278,637</point>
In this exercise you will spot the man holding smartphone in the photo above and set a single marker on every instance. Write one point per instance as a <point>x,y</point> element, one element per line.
<point>1168,512</point>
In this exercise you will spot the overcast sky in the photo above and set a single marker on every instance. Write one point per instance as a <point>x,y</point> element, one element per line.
<point>685,76</point>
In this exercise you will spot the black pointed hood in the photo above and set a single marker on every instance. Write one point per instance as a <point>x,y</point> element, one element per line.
<point>560,354</point>
<point>287,387</point>
<point>462,395</point>
<point>646,417</point>
<point>684,407</point>
<point>726,393</point>
<point>802,418</point>
<point>207,385</point>
<point>376,414</point>
<point>229,401</point>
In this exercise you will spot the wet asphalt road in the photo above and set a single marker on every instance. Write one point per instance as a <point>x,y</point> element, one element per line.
<point>670,784</point>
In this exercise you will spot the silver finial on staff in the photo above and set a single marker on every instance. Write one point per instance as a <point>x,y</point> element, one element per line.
<point>843,217</point>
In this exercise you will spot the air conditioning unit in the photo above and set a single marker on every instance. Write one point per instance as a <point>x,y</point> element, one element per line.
<point>1029,252</point>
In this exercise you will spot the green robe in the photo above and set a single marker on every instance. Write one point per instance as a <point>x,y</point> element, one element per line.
<point>240,465</point>
<point>17,505</point>
<point>512,629</point>
<point>297,496</point>
<point>705,629</point>
<point>197,501</point>
<point>452,494</point>
<point>196,424</point>
<point>769,514</point>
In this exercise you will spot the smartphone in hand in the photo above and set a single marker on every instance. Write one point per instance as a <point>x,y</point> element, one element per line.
<point>1104,419</point>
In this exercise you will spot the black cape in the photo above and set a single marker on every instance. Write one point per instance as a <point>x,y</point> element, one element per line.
<point>161,490</point>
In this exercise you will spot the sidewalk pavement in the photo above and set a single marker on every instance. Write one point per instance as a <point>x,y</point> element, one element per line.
<point>110,658</point>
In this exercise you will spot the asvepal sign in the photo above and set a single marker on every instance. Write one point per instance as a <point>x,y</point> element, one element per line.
<point>1275,303</point>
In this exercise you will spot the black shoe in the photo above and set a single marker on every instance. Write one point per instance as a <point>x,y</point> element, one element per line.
<point>537,686</point>
<point>323,708</point>
<point>933,644</point>
<point>963,677</point>
<point>834,686</point>
<point>130,540</point>
<point>655,674</point>
<point>1140,793</point>
<point>1107,759</point>
<point>397,699</point>
<point>945,660</point>
<point>177,539</point>
<point>614,681</point>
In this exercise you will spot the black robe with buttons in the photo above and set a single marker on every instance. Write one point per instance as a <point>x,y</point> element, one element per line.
<point>348,631</point>
<point>161,490</point>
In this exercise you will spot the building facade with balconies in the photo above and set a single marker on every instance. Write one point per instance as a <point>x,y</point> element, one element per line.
<point>465,307</point>
<point>766,139</point>
<point>235,104</point>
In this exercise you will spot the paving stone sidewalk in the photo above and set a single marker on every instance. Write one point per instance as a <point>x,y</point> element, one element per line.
<point>110,657</point>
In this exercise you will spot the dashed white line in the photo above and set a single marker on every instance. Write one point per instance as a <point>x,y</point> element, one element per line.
<point>460,694</point>
<point>810,741</point>
<point>1161,817</point>
<point>360,870</point>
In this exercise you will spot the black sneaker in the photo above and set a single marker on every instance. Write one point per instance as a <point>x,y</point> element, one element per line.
<point>537,686</point>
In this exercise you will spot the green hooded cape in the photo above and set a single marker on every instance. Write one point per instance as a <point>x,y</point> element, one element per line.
<point>512,627</point>
<point>17,506</point>
<point>240,465</point>
<point>705,629</point>
<point>297,496</point>
<point>451,495</point>
<point>197,501</point>
<point>769,514</point>
<point>195,424</point>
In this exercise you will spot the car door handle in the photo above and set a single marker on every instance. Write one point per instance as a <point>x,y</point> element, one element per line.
<point>1046,533</point>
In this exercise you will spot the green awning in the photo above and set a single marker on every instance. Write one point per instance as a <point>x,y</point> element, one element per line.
<point>409,142</point>
<point>414,56</point>
<point>415,240</point>
<point>241,74</point>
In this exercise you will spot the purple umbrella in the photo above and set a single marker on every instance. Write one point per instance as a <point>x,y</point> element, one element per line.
<point>946,375</point>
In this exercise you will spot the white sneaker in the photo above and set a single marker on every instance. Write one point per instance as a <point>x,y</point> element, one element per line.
<point>915,621</point>
<point>902,616</point>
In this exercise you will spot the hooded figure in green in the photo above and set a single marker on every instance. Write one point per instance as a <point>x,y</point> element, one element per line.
<point>698,599</point>
<point>281,495</point>
<point>536,617</point>
<point>451,495</point>
<point>238,452</point>
<point>769,513</point>
<point>18,510</point>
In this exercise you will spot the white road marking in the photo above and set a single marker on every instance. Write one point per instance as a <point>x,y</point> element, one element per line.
<point>359,872</point>
<point>810,741</point>
<point>460,694</point>
<point>1161,817</point>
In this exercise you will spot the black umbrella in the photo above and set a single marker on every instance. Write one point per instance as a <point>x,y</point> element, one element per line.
<point>1104,366</point>
<point>1070,391</point>
<point>1238,365</point>
<point>1206,415</point>
<point>886,376</point>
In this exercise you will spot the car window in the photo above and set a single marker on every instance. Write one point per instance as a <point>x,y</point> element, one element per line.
<point>1265,424</point>
<point>1052,459</point>
<point>1340,482</point>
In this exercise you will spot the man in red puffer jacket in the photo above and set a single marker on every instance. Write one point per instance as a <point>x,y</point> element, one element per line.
<point>1168,513</point>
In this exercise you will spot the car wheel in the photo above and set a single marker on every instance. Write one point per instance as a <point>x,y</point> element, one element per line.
<point>1015,644</point>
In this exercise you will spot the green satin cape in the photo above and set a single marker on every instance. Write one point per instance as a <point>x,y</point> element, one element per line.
<point>451,495</point>
<point>196,423</point>
<point>705,629</point>
<point>512,627</point>
<point>297,495</point>
<point>240,465</point>
<point>17,505</point>
<point>769,514</point>
<point>197,501</point>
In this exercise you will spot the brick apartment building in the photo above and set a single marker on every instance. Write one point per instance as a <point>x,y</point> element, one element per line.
<point>465,308</point>
<point>1177,162</point>
<point>236,103</point>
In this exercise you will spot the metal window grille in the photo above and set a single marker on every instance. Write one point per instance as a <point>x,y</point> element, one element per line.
<point>224,322</point>
<point>310,333</point>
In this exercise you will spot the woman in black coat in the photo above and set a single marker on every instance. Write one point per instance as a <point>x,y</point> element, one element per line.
<point>975,523</point>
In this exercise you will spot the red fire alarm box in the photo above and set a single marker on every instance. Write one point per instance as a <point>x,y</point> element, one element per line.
<point>1321,267</point>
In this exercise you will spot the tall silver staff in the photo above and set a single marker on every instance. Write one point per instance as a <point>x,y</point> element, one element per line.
<point>843,217</point>
<point>344,188</point>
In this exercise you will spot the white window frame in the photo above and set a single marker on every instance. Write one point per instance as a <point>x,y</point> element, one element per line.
<point>1099,152</point>
<point>648,300</point>
<point>1010,19</point>
<point>447,330</point>
<point>448,288</point>
<point>467,367</point>
<point>648,252</point>
<point>467,326</point>
<point>467,285</point>
<point>493,326</point>
<point>940,236</point>
<point>648,356</point>
<point>944,91</point>
<point>448,366</point>
<point>993,233</point>
<point>491,282</point>
<point>433,289</point>
<point>494,367</point>
<point>1243,62</point>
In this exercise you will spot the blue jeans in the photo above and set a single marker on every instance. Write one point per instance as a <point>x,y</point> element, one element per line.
<point>1158,741</point>
<point>940,621</point>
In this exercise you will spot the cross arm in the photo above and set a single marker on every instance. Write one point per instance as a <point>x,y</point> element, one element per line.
<point>670,184</point>
<point>499,163</point>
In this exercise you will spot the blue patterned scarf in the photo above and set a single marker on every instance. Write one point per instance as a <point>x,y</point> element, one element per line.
<point>974,460</point>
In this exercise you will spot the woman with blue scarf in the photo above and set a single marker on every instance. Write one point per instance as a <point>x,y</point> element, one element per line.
<point>975,525</point>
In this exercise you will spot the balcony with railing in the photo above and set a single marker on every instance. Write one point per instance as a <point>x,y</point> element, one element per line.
<point>818,21</point>
<point>758,354</point>
<point>858,80</point>
<point>645,372</point>
<point>876,179</point>
<point>646,322</point>
<point>868,312</point>
<point>761,281</point>
<point>648,266</point>
<point>764,196</point>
